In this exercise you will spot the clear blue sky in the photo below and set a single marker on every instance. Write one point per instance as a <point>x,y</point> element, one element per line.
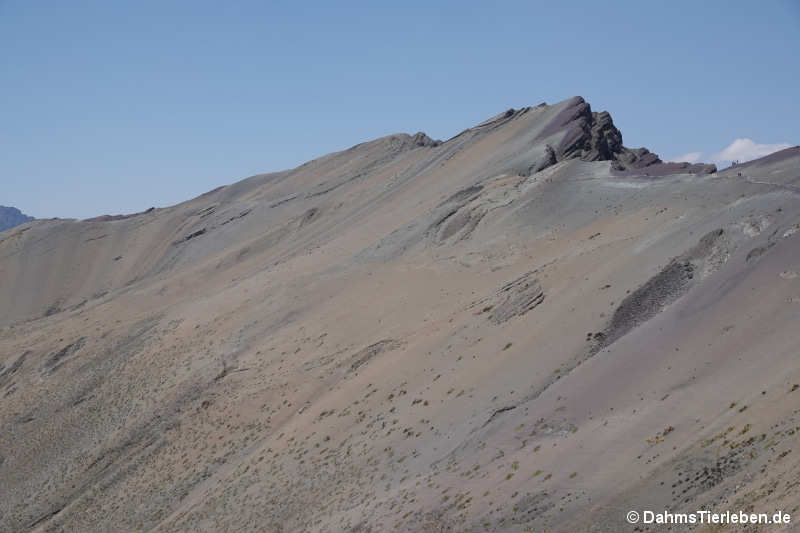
<point>112,107</point>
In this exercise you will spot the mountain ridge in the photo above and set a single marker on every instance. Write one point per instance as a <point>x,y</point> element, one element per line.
<point>11,217</point>
<point>538,138</point>
<point>411,335</point>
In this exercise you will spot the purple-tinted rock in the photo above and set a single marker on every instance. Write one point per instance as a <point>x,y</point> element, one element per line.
<point>592,136</point>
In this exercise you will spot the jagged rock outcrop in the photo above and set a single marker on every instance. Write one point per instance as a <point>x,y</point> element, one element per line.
<point>592,136</point>
<point>11,217</point>
<point>404,141</point>
<point>421,139</point>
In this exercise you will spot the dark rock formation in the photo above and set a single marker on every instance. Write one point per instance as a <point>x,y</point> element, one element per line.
<point>672,282</point>
<point>548,160</point>
<point>592,136</point>
<point>421,139</point>
<point>11,217</point>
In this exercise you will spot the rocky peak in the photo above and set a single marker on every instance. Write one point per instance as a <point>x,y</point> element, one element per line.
<point>421,139</point>
<point>11,217</point>
<point>592,136</point>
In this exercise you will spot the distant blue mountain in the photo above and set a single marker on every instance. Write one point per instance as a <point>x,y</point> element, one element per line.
<point>11,216</point>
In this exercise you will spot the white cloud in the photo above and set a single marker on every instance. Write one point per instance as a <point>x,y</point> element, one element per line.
<point>691,157</point>
<point>740,150</point>
<point>745,150</point>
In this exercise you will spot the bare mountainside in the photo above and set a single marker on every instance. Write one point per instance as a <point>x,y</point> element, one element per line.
<point>526,327</point>
<point>11,217</point>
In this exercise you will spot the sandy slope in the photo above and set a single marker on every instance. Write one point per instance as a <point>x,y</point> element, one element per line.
<point>501,332</point>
